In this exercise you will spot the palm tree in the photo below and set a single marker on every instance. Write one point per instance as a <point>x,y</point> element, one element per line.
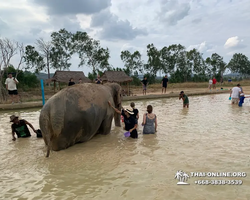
<point>179,175</point>
<point>185,177</point>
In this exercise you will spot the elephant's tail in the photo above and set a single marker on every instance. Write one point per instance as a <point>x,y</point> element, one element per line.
<point>46,128</point>
<point>48,151</point>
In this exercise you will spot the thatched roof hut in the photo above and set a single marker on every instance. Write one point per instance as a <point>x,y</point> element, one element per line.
<point>116,76</point>
<point>64,76</point>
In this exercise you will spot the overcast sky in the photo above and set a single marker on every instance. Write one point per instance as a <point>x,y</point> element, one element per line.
<point>220,26</point>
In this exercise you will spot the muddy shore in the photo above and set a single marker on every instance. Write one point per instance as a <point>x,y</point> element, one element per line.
<point>39,104</point>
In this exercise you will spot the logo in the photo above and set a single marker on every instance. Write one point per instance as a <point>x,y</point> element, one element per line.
<point>182,177</point>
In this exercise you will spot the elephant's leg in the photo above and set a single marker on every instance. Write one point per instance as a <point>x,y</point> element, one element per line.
<point>106,126</point>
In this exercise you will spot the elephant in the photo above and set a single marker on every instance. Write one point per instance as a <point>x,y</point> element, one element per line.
<point>77,113</point>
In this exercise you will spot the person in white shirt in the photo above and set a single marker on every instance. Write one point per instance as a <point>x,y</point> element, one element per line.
<point>210,82</point>
<point>234,94</point>
<point>11,83</point>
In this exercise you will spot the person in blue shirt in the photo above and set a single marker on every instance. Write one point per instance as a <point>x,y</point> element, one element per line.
<point>242,97</point>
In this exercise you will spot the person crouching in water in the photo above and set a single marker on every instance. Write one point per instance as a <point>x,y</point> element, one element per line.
<point>135,111</point>
<point>129,121</point>
<point>149,121</point>
<point>184,98</point>
<point>242,97</point>
<point>20,127</point>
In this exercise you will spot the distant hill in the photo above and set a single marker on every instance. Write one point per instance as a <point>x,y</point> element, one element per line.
<point>43,76</point>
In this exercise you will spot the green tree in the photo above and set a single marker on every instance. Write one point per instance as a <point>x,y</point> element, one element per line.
<point>132,62</point>
<point>33,59</point>
<point>178,64</point>
<point>239,63</point>
<point>90,52</point>
<point>40,57</point>
<point>62,49</point>
<point>197,64</point>
<point>216,65</point>
<point>154,63</point>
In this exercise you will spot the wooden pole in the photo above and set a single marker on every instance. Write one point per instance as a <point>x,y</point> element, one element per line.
<point>128,89</point>
<point>54,87</point>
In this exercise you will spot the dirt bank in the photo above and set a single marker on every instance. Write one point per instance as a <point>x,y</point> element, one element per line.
<point>136,96</point>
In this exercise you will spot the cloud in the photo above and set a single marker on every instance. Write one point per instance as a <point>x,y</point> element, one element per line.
<point>67,7</point>
<point>196,21</point>
<point>234,43</point>
<point>202,47</point>
<point>172,11</point>
<point>112,28</point>
<point>35,31</point>
<point>3,27</point>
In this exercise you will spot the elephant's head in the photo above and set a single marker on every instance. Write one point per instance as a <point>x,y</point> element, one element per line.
<point>117,98</point>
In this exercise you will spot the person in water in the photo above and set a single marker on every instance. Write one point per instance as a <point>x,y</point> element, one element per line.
<point>185,99</point>
<point>149,121</point>
<point>19,127</point>
<point>135,111</point>
<point>71,82</point>
<point>129,121</point>
<point>242,97</point>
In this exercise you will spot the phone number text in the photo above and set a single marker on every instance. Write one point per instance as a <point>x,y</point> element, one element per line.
<point>219,182</point>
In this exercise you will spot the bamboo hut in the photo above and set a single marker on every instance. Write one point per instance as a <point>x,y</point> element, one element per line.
<point>117,77</point>
<point>64,76</point>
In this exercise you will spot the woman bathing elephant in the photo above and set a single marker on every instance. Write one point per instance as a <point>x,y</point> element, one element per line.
<point>77,113</point>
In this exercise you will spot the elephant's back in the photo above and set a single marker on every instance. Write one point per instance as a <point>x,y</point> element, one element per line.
<point>79,95</point>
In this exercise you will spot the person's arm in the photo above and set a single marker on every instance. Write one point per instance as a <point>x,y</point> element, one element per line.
<point>116,110</point>
<point>144,119</point>
<point>137,116</point>
<point>13,134</point>
<point>135,127</point>
<point>155,123</point>
<point>180,97</point>
<point>16,81</point>
<point>30,125</point>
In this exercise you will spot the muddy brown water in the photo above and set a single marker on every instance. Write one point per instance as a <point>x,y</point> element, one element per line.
<point>210,136</point>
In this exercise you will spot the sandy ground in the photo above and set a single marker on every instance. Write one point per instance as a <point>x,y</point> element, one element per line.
<point>34,97</point>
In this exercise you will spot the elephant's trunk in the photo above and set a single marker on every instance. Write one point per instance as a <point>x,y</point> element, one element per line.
<point>117,118</point>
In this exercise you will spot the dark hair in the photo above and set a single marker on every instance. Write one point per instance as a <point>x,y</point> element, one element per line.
<point>149,109</point>
<point>132,104</point>
<point>70,79</point>
<point>238,85</point>
<point>9,73</point>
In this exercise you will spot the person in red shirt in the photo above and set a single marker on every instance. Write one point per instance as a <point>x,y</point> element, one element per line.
<point>214,83</point>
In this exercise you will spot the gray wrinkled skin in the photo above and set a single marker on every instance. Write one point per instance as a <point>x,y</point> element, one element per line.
<point>77,113</point>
